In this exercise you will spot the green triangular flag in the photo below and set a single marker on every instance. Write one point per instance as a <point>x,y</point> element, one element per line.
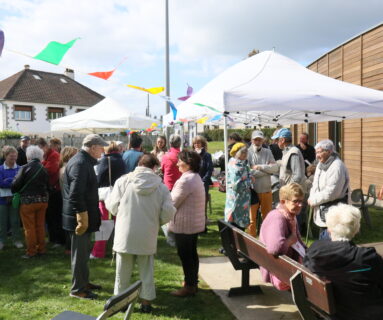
<point>55,51</point>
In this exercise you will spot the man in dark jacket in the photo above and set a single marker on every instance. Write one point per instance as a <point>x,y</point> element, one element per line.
<point>21,156</point>
<point>308,151</point>
<point>81,215</point>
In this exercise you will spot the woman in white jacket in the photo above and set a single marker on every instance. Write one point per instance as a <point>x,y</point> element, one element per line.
<point>141,203</point>
<point>330,185</point>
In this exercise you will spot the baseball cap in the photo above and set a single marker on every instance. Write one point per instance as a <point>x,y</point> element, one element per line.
<point>257,134</point>
<point>94,139</point>
<point>25,138</point>
<point>282,133</point>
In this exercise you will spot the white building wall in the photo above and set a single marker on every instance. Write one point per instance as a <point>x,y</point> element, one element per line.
<point>40,123</point>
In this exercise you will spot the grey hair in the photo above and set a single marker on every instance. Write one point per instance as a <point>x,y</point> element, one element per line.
<point>175,141</point>
<point>343,222</point>
<point>240,152</point>
<point>34,152</point>
<point>325,145</point>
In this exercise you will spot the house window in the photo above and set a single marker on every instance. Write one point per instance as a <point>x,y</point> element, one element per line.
<point>55,113</point>
<point>79,110</point>
<point>23,113</point>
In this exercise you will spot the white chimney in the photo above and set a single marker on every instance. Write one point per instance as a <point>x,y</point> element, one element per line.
<point>69,73</point>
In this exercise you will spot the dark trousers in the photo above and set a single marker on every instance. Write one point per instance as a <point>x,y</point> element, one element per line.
<point>80,251</point>
<point>187,251</point>
<point>54,218</point>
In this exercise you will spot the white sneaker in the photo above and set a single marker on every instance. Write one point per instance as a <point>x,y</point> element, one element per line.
<point>18,244</point>
<point>93,257</point>
<point>1,246</point>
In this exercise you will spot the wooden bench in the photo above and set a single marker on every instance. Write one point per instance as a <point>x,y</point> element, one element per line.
<point>311,295</point>
<point>124,302</point>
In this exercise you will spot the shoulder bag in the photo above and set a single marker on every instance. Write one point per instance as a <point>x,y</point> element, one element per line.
<point>16,196</point>
<point>104,192</point>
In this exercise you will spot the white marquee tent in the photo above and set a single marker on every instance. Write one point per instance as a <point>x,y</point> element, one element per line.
<point>270,89</point>
<point>105,117</point>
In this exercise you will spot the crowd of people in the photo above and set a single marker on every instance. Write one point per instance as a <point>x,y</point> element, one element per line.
<point>70,192</point>
<point>61,192</point>
<point>308,177</point>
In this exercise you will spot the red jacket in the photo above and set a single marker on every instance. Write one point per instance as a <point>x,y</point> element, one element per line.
<point>51,163</point>
<point>169,167</point>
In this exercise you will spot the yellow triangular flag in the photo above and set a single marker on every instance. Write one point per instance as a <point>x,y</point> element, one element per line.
<point>155,90</point>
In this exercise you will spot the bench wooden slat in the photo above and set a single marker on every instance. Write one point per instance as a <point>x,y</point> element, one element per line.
<point>319,292</point>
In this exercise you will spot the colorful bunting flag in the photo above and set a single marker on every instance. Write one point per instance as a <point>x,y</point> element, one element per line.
<point>202,120</point>
<point>106,74</point>
<point>189,93</point>
<point>203,105</point>
<point>1,41</point>
<point>174,109</point>
<point>155,90</point>
<point>216,118</point>
<point>55,51</point>
<point>102,74</point>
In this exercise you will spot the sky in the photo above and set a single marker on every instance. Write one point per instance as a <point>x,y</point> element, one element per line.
<point>206,37</point>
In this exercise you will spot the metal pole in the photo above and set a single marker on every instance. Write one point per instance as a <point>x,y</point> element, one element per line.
<point>167,54</point>
<point>225,144</point>
<point>148,108</point>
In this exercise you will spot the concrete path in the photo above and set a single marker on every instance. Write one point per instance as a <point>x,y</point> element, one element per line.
<point>220,275</point>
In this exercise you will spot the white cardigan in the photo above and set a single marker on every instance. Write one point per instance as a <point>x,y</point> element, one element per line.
<point>141,203</point>
<point>327,186</point>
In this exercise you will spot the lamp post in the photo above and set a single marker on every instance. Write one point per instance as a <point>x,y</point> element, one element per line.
<point>167,54</point>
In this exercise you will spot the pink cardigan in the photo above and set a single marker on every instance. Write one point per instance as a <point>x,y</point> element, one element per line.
<point>169,167</point>
<point>274,232</point>
<point>188,197</point>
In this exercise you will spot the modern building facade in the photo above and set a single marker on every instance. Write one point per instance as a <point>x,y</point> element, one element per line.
<point>360,141</point>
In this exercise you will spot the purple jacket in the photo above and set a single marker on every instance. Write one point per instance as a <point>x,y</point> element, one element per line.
<point>274,232</point>
<point>6,178</point>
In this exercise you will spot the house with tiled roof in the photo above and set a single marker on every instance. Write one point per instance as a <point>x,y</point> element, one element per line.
<point>30,99</point>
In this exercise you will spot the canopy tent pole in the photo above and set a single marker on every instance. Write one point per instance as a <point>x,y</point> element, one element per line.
<point>225,144</point>
<point>182,135</point>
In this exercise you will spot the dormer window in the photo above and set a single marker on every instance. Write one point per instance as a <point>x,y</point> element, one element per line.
<point>37,77</point>
<point>63,80</point>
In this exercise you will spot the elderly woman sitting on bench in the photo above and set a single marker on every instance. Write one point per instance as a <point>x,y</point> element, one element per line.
<point>356,273</point>
<point>280,232</point>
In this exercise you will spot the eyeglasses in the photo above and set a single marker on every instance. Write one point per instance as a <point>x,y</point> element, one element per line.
<point>296,201</point>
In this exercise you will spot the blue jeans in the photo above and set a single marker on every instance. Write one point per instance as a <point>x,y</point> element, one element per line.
<point>10,215</point>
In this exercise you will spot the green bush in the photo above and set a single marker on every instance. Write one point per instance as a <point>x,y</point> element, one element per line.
<point>217,134</point>
<point>8,134</point>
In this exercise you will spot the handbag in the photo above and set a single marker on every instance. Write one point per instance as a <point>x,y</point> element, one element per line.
<point>324,207</point>
<point>104,192</point>
<point>222,183</point>
<point>17,196</point>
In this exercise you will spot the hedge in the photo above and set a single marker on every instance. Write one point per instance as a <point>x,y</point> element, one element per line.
<point>8,134</point>
<point>217,134</point>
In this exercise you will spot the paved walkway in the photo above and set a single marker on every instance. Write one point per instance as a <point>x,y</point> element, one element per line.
<point>220,275</point>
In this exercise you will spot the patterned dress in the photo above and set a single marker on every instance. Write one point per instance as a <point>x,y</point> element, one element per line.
<point>238,193</point>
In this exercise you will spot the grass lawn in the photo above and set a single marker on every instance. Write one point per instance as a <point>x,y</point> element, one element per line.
<point>214,146</point>
<point>38,288</point>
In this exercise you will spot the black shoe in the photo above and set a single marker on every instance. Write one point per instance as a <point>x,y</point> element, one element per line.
<point>146,308</point>
<point>91,286</point>
<point>88,295</point>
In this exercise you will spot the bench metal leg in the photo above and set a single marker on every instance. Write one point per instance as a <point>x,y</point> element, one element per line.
<point>245,288</point>
<point>366,216</point>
